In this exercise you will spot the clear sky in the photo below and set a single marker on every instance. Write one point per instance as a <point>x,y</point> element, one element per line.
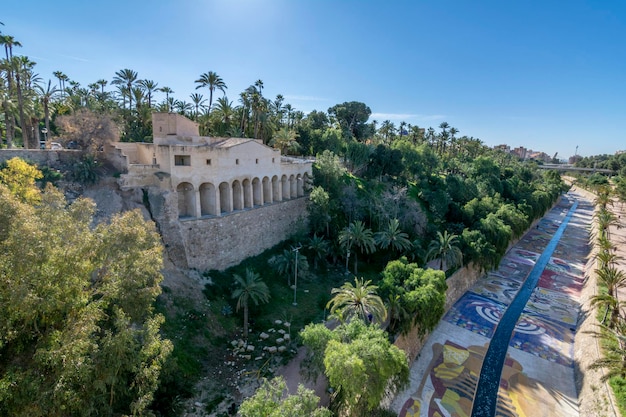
<point>545,74</point>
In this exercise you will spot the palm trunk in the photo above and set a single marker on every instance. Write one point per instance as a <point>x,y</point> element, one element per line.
<point>20,104</point>
<point>8,117</point>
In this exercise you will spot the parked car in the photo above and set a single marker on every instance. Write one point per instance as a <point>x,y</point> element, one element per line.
<point>56,146</point>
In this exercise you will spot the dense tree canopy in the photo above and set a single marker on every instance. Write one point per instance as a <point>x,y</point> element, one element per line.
<point>77,327</point>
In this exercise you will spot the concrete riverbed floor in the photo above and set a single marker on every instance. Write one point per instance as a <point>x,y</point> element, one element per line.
<point>539,373</point>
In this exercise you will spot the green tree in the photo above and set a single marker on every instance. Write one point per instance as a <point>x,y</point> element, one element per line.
<point>359,236</point>
<point>352,117</point>
<point>272,399</point>
<point>359,300</point>
<point>446,249</point>
<point>77,327</point>
<point>418,293</point>
<point>249,288</point>
<point>362,367</point>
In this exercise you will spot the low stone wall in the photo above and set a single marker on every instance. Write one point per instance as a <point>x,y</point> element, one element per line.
<point>224,241</point>
<point>57,159</point>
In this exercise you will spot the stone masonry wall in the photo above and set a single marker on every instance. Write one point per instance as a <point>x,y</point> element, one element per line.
<point>224,241</point>
<point>57,159</point>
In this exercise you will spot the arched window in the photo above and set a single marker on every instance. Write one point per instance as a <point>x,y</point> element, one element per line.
<point>208,201</point>
<point>267,191</point>
<point>186,200</point>
<point>294,186</point>
<point>237,196</point>
<point>276,194</point>
<point>257,192</point>
<point>226,201</point>
<point>299,185</point>
<point>247,193</point>
<point>286,187</point>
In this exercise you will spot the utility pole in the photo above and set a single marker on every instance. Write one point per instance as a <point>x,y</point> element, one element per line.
<point>295,285</point>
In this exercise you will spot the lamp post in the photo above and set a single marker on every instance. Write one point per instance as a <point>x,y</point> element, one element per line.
<point>295,285</point>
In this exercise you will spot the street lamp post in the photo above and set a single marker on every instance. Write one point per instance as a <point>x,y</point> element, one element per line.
<point>295,285</point>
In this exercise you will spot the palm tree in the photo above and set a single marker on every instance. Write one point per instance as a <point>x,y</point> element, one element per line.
<point>614,360</point>
<point>167,92</point>
<point>127,78</point>
<point>393,237</point>
<point>359,300</point>
<point>285,264</point>
<point>319,247</point>
<point>62,78</point>
<point>249,288</point>
<point>198,102</point>
<point>357,235</point>
<point>225,113</point>
<point>285,140</point>
<point>45,96</point>
<point>445,248</point>
<point>149,87</point>
<point>214,82</point>
<point>184,107</point>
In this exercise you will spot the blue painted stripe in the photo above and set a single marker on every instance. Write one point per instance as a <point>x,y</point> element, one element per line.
<point>486,396</point>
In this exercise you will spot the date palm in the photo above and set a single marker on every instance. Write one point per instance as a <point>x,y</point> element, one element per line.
<point>319,248</point>
<point>198,103</point>
<point>167,92</point>
<point>393,237</point>
<point>127,78</point>
<point>359,236</point>
<point>249,288</point>
<point>46,94</point>
<point>445,248</point>
<point>285,140</point>
<point>149,87</point>
<point>614,359</point>
<point>359,300</point>
<point>213,82</point>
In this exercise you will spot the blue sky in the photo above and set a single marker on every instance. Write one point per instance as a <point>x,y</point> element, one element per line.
<point>548,75</point>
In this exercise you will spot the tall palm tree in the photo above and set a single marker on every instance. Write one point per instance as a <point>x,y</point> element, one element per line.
<point>167,92</point>
<point>359,236</point>
<point>45,96</point>
<point>393,237</point>
<point>213,82</point>
<point>445,248</point>
<point>127,78</point>
<point>149,87</point>
<point>198,102</point>
<point>249,288</point>
<point>358,300</point>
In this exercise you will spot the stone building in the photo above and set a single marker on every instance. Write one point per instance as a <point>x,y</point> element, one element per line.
<point>216,200</point>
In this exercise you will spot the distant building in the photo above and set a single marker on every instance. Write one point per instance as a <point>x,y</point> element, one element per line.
<point>520,152</point>
<point>503,148</point>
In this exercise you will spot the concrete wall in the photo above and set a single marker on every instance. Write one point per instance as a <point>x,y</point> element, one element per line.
<point>221,242</point>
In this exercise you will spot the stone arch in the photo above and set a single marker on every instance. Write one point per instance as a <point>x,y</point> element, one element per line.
<point>276,194</point>
<point>257,192</point>
<point>294,186</point>
<point>208,200</point>
<point>300,185</point>
<point>186,200</point>
<point>286,188</point>
<point>237,195</point>
<point>247,193</point>
<point>306,182</point>
<point>267,191</point>
<point>226,201</point>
